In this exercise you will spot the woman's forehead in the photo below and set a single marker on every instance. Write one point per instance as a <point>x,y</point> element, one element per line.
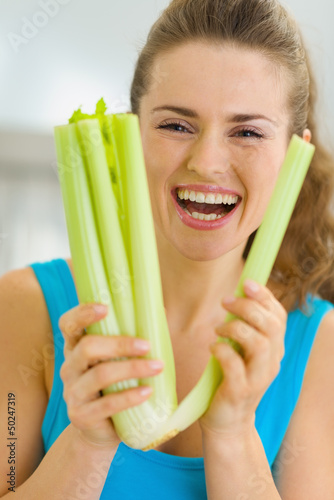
<point>207,73</point>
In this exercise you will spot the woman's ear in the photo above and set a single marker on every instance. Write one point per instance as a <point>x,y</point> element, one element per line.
<point>307,136</point>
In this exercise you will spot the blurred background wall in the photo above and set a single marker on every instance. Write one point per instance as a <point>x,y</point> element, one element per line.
<point>56,55</point>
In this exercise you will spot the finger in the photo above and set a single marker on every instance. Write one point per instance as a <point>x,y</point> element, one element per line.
<point>266,324</point>
<point>105,374</point>
<point>265,297</point>
<point>92,413</point>
<point>261,359</point>
<point>74,321</point>
<point>272,324</point>
<point>232,366</point>
<point>247,338</point>
<point>259,308</point>
<point>93,349</point>
<point>250,311</point>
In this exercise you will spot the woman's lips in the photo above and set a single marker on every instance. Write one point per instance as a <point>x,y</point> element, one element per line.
<point>214,194</point>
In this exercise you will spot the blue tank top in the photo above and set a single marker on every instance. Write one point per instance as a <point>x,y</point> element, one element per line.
<point>151,474</point>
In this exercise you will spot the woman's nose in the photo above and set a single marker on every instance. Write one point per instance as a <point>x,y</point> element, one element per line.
<point>209,157</point>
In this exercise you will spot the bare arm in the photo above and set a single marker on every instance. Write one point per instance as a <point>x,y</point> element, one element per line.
<point>89,443</point>
<point>72,468</point>
<point>235,463</point>
<point>237,468</point>
<point>234,457</point>
<point>304,468</point>
<point>23,331</point>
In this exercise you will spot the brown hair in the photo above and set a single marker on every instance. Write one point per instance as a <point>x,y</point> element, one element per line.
<point>305,263</point>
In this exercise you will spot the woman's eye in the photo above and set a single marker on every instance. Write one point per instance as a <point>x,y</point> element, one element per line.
<point>173,127</point>
<point>248,133</point>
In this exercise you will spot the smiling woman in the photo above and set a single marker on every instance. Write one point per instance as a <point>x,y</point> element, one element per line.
<point>230,137</point>
<point>220,87</point>
<point>286,94</point>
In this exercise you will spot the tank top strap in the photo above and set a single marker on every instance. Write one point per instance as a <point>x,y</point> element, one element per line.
<point>60,295</point>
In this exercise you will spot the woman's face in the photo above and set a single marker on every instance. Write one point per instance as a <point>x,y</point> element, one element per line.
<point>214,127</point>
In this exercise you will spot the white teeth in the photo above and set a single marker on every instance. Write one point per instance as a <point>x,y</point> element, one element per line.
<point>209,198</point>
<point>219,198</point>
<point>198,216</point>
<point>200,198</point>
<point>211,217</point>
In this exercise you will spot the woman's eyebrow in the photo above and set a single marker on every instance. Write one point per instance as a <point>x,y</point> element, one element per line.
<point>244,117</point>
<point>236,117</point>
<point>190,113</point>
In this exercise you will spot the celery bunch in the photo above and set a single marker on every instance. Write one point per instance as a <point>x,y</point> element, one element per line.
<point>112,240</point>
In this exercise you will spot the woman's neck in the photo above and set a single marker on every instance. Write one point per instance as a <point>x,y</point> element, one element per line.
<point>193,290</point>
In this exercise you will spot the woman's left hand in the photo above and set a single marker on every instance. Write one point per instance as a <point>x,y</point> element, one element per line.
<point>259,330</point>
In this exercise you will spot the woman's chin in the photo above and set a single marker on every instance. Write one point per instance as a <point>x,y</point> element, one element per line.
<point>203,253</point>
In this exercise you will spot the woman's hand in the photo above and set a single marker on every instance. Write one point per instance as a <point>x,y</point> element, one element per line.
<point>89,368</point>
<point>259,330</point>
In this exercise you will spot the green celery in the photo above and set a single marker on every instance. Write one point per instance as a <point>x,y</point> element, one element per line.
<point>108,225</point>
<point>150,314</point>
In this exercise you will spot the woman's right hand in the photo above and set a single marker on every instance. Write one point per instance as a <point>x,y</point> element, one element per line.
<point>90,367</point>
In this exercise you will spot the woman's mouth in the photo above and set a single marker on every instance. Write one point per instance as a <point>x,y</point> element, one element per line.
<point>208,208</point>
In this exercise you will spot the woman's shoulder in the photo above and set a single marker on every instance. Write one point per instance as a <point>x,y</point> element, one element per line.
<point>22,296</point>
<point>24,333</point>
<point>318,382</point>
<point>25,323</point>
<point>311,430</point>
<point>34,297</point>
<point>324,341</point>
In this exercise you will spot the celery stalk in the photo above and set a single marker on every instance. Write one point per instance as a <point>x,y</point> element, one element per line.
<point>87,261</point>
<point>270,235</point>
<point>88,265</point>
<point>108,225</point>
<point>89,272</point>
<point>97,244</point>
<point>150,314</point>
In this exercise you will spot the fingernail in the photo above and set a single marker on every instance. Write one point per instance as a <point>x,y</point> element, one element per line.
<point>145,391</point>
<point>156,364</point>
<point>228,300</point>
<point>251,286</point>
<point>141,345</point>
<point>100,309</point>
